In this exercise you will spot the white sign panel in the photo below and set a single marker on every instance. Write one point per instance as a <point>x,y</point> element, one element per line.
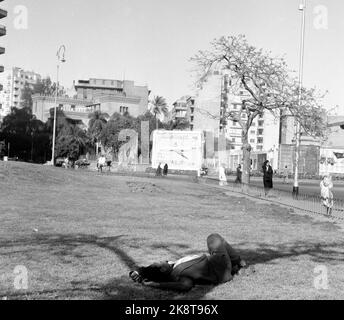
<point>181,150</point>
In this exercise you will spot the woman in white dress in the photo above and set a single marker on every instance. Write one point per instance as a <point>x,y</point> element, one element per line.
<point>222,176</point>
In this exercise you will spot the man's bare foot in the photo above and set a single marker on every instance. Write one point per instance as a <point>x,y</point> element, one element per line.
<point>135,276</point>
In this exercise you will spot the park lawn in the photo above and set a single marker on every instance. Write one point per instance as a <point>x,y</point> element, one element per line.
<point>78,233</point>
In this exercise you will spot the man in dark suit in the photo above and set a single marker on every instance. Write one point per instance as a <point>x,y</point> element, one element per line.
<point>181,275</point>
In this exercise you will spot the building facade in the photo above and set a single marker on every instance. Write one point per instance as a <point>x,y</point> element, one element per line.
<point>14,81</point>
<point>184,109</point>
<point>75,109</point>
<point>107,96</point>
<point>3,14</point>
<point>114,95</point>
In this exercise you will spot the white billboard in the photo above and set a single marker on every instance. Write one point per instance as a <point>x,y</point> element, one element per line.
<point>181,150</point>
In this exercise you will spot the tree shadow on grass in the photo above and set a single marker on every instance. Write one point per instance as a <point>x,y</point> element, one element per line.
<point>122,287</point>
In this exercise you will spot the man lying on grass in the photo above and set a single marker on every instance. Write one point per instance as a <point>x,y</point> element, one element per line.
<point>181,275</point>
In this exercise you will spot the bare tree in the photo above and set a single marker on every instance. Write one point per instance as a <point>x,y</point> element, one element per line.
<point>268,87</point>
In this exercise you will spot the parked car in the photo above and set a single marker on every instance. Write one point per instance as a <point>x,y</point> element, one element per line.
<point>59,162</point>
<point>81,163</point>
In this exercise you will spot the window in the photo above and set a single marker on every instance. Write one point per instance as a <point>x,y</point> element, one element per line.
<point>260,140</point>
<point>233,139</point>
<point>253,131</point>
<point>260,123</point>
<point>260,131</point>
<point>72,107</point>
<point>123,110</point>
<point>252,141</point>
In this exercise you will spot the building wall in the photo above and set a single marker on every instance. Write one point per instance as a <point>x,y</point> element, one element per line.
<point>73,108</point>
<point>13,81</point>
<point>114,94</point>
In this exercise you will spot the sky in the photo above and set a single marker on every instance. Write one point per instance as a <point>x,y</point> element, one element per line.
<point>151,41</point>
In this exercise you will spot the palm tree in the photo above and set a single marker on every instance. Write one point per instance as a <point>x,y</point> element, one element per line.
<point>96,125</point>
<point>158,106</point>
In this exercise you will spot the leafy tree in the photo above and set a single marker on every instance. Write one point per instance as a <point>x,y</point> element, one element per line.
<point>178,124</point>
<point>158,106</point>
<point>268,84</point>
<point>110,133</point>
<point>72,142</point>
<point>28,137</point>
<point>46,87</point>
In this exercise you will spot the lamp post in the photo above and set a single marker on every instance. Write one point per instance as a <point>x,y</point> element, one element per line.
<point>302,8</point>
<point>60,58</point>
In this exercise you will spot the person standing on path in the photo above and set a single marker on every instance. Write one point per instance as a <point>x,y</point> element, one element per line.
<point>222,176</point>
<point>326,186</point>
<point>238,174</point>
<point>267,177</point>
<point>165,171</point>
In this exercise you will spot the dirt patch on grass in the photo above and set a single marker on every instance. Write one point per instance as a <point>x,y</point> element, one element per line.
<point>143,187</point>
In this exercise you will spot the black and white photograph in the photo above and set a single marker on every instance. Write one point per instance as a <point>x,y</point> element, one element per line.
<point>184,151</point>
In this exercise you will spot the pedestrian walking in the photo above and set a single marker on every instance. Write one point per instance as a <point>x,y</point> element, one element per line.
<point>326,186</point>
<point>267,177</point>
<point>165,171</point>
<point>101,163</point>
<point>108,161</point>
<point>285,174</point>
<point>158,171</point>
<point>222,176</point>
<point>238,174</point>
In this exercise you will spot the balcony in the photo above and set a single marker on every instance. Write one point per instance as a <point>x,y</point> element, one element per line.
<point>2,30</point>
<point>3,13</point>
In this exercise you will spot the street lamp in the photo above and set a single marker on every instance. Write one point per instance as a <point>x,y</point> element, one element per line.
<point>302,8</point>
<point>60,58</point>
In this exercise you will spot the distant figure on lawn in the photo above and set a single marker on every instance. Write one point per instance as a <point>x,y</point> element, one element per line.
<point>222,175</point>
<point>108,161</point>
<point>267,176</point>
<point>165,172</point>
<point>181,275</point>
<point>326,186</point>
<point>158,171</point>
<point>238,174</point>
<point>101,163</point>
<point>285,174</point>
<point>66,163</point>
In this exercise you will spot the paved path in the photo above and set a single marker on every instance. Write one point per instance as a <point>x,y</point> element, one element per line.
<point>308,187</point>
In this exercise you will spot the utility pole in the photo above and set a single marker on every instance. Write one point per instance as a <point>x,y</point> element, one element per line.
<point>60,58</point>
<point>302,8</point>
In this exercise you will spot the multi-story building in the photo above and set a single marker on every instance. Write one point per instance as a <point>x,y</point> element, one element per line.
<point>107,96</point>
<point>184,109</point>
<point>14,81</point>
<point>3,14</point>
<point>75,109</point>
<point>114,95</point>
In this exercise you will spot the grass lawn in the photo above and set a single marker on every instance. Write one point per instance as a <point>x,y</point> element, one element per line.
<point>79,233</point>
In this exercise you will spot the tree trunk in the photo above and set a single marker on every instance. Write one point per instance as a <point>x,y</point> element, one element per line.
<point>156,123</point>
<point>246,149</point>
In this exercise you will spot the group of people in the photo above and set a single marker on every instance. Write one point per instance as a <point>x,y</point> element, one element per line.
<point>162,171</point>
<point>104,161</point>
